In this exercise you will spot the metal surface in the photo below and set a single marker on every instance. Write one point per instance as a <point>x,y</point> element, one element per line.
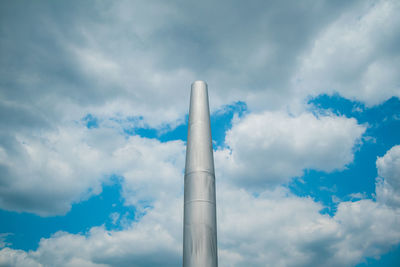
<point>200,221</point>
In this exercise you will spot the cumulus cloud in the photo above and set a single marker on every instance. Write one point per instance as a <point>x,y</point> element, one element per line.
<point>46,173</point>
<point>275,228</point>
<point>284,230</point>
<point>356,56</point>
<point>11,257</point>
<point>272,147</point>
<point>388,182</point>
<point>158,233</point>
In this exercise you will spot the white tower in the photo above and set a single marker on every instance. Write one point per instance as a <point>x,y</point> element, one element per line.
<point>200,221</point>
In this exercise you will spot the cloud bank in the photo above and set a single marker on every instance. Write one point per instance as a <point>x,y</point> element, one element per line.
<point>280,229</point>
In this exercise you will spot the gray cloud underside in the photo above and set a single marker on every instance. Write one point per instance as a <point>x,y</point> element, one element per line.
<point>60,60</point>
<point>58,56</point>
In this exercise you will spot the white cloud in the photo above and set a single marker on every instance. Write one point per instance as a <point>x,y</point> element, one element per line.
<point>280,229</point>
<point>388,182</point>
<point>275,228</point>
<point>153,241</point>
<point>272,147</point>
<point>17,258</point>
<point>356,56</point>
<point>368,229</point>
<point>47,172</point>
<point>151,169</point>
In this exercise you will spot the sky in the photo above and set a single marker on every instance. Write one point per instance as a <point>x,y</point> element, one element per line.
<point>305,119</point>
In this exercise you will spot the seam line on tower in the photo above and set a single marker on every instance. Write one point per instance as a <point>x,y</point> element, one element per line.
<point>209,172</point>
<point>199,200</point>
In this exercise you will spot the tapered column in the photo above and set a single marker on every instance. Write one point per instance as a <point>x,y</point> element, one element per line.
<point>200,221</point>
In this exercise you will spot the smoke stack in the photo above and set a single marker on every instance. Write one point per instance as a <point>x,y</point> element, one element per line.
<point>200,221</point>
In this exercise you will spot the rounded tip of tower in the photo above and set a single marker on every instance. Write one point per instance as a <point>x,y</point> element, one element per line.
<point>199,82</point>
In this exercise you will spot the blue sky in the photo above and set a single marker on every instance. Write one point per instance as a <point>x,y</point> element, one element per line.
<point>305,121</point>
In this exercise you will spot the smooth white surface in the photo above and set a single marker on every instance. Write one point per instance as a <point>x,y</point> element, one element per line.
<point>200,223</point>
